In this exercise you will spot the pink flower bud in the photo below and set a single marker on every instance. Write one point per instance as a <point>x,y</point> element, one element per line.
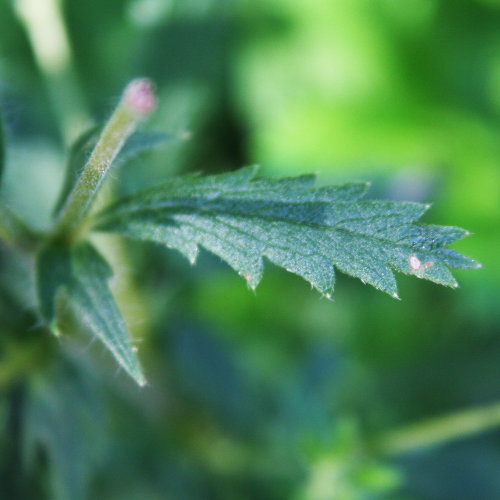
<point>139,96</point>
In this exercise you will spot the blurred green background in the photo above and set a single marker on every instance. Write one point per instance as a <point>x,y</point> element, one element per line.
<point>278,394</point>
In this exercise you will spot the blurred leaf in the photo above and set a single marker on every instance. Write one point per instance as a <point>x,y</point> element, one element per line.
<point>80,275</point>
<point>53,424</point>
<point>339,468</point>
<point>304,229</point>
<point>227,390</point>
<point>2,147</point>
<point>81,149</point>
<point>143,141</point>
<point>64,420</point>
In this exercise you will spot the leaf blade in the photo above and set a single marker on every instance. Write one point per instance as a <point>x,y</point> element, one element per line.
<point>81,275</point>
<point>2,147</point>
<point>309,231</point>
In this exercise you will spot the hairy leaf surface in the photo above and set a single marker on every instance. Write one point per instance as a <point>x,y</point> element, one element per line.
<point>80,275</point>
<point>305,229</point>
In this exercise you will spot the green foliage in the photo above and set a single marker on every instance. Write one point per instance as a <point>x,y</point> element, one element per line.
<point>304,229</point>
<point>54,423</point>
<point>401,94</point>
<point>2,147</point>
<point>341,456</point>
<point>79,276</point>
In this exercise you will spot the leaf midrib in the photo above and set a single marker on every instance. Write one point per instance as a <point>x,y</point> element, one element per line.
<point>187,210</point>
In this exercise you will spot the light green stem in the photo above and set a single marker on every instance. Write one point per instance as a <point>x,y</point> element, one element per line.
<point>439,430</point>
<point>136,103</point>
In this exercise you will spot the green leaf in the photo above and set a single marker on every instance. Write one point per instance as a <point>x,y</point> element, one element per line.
<point>2,147</point>
<point>79,275</point>
<point>63,419</point>
<point>53,426</point>
<point>143,141</point>
<point>82,147</point>
<point>304,229</point>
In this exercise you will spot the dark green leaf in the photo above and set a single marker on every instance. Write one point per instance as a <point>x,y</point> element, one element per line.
<point>63,419</point>
<point>304,229</point>
<point>2,147</point>
<point>80,276</point>
<point>53,426</point>
<point>81,149</point>
<point>142,141</point>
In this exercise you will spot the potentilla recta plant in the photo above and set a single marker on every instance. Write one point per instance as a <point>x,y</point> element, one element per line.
<point>240,217</point>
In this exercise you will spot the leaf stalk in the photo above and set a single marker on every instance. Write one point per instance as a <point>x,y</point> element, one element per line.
<point>439,430</point>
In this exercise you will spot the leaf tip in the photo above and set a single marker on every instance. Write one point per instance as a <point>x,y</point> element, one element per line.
<point>395,296</point>
<point>191,254</point>
<point>136,373</point>
<point>55,331</point>
<point>254,169</point>
<point>252,281</point>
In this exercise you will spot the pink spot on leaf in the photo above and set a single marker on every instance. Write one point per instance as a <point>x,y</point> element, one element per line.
<point>414,262</point>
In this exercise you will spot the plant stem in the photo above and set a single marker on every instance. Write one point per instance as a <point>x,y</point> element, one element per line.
<point>136,103</point>
<point>14,231</point>
<point>439,430</point>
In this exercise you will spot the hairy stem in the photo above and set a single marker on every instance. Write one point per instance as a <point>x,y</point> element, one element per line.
<point>137,102</point>
<point>439,430</point>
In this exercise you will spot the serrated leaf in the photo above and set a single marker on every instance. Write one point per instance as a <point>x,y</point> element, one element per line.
<point>80,276</point>
<point>309,231</point>
<point>82,147</point>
